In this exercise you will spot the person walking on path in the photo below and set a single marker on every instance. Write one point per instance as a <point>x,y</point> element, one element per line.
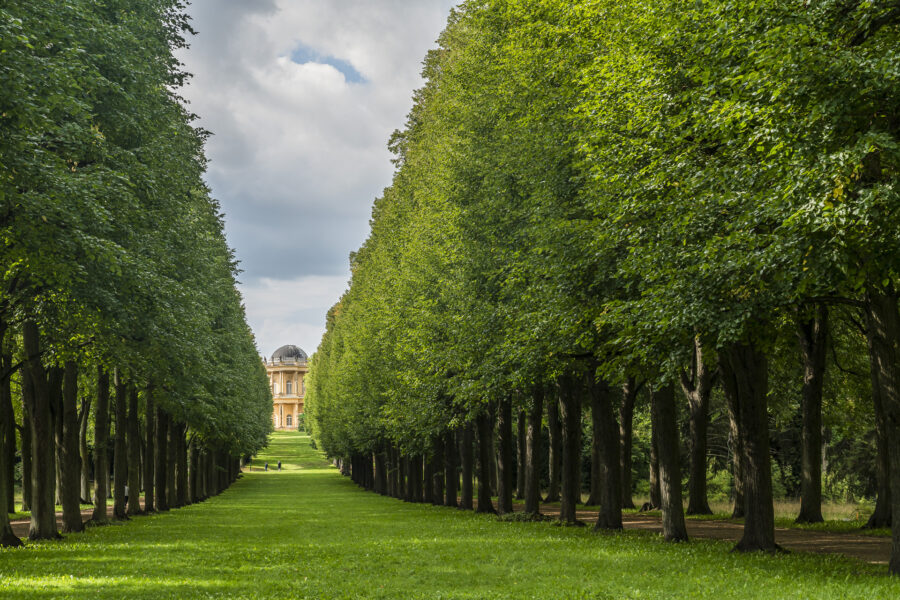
<point>279,465</point>
<point>267,465</point>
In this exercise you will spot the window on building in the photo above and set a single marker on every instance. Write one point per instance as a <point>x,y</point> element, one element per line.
<point>288,420</point>
<point>276,388</point>
<point>289,386</point>
<point>303,384</point>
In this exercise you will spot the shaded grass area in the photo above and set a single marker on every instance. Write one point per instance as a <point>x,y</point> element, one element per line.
<point>307,532</point>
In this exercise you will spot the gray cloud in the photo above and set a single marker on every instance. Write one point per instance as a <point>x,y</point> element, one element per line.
<point>298,151</point>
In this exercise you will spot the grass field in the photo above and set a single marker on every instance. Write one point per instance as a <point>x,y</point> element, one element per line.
<point>307,532</point>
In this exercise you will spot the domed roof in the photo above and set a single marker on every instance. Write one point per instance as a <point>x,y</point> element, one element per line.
<point>289,352</point>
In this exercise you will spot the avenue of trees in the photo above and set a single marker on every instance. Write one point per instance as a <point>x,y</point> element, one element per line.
<point>125,356</point>
<point>610,209</point>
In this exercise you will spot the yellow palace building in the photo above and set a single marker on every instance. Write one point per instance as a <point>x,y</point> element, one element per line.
<point>286,370</point>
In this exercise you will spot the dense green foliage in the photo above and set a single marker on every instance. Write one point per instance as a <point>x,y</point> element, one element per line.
<point>111,247</point>
<point>328,539</point>
<point>588,187</point>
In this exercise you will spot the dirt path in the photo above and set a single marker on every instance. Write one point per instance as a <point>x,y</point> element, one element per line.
<point>876,550</point>
<point>20,526</point>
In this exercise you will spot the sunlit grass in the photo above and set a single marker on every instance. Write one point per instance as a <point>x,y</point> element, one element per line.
<point>307,532</point>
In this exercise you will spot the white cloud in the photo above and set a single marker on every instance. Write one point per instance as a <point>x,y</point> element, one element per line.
<point>298,152</point>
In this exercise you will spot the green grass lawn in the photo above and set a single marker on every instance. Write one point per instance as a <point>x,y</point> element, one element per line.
<point>307,532</point>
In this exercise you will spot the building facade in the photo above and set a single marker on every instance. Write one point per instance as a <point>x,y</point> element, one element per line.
<point>287,369</point>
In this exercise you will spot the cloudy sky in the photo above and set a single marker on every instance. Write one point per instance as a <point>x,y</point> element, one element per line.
<point>301,97</point>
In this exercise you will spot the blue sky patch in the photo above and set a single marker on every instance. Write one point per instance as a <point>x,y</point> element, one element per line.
<point>304,54</point>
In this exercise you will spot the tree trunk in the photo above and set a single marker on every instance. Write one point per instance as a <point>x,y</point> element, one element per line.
<point>451,476</point>
<point>626,422</point>
<point>8,539</point>
<point>70,465</point>
<point>697,386</point>
<point>522,427</point>
<point>505,456</point>
<point>468,461</point>
<point>194,469</point>
<point>437,479</point>
<point>596,482</point>
<point>554,435</point>
<point>485,458</point>
<point>134,453</point>
<point>84,450</point>
<point>101,443</point>
<point>533,453</point>
<point>55,381</point>
<point>570,417</point>
<point>884,333</point>
<point>43,511</point>
<point>381,485</point>
<point>737,448</point>
<point>120,452</point>
<point>149,450</point>
<point>171,447</point>
<point>881,516</point>
<point>161,456</point>
<point>745,374</point>
<point>610,494</point>
<point>25,432</point>
<point>664,421</point>
<point>7,432</point>
<point>181,491</point>
<point>428,490</point>
<point>654,467</point>
<point>813,336</point>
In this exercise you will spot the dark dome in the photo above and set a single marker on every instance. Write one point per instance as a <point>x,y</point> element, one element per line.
<point>289,352</point>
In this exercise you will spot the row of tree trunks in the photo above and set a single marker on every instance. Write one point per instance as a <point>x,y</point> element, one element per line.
<point>504,455</point>
<point>533,453</point>
<point>570,416</point>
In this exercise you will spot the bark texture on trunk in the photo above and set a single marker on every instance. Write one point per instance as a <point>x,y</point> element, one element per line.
<point>83,422</point>
<point>149,450</point>
<point>745,374</point>
<point>101,443</point>
<point>43,474</point>
<point>664,420</point>
<point>504,454</point>
<point>881,516</point>
<point>655,500</point>
<point>596,482</point>
<point>485,458</point>
<point>181,474</point>
<point>570,417</point>
<point>626,422</point>
<point>451,475</point>
<point>737,447</point>
<point>813,335</point>
<point>437,478</point>
<point>161,464</point>
<point>554,442</point>
<point>521,428</point>
<point>120,455</point>
<point>134,453</point>
<point>7,431</point>
<point>381,486</point>
<point>533,453</point>
<point>70,463</point>
<point>467,467</point>
<point>25,432</point>
<point>610,494</point>
<point>884,332</point>
<point>697,386</point>
<point>171,446</point>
